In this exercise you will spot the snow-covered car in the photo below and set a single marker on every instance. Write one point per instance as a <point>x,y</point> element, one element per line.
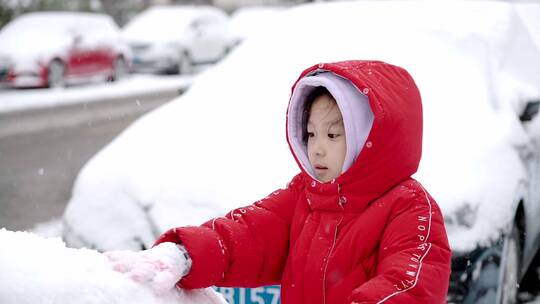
<point>51,49</point>
<point>222,144</point>
<point>171,39</point>
<point>63,275</point>
<point>250,21</point>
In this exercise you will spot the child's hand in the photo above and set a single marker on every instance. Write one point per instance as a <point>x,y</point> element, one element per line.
<point>161,267</point>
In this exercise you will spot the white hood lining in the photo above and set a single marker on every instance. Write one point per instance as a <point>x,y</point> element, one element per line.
<point>353,104</point>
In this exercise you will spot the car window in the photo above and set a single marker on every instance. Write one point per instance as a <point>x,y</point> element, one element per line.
<point>100,25</point>
<point>158,24</point>
<point>211,21</point>
<point>201,22</point>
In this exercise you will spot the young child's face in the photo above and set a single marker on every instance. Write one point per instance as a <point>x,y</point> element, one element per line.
<point>326,138</point>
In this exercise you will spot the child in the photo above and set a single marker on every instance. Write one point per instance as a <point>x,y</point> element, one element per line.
<point>352,227</point>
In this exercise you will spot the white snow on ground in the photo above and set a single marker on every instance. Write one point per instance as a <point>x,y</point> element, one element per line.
<point>135,85</point>
<point>222,145</point>
<point>38,270</point>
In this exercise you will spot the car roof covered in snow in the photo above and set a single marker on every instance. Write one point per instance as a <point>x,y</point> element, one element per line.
<point>165,22</point>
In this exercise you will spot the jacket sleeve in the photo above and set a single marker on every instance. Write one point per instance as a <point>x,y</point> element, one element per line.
<point>414,256</point>
<point>247,247</point>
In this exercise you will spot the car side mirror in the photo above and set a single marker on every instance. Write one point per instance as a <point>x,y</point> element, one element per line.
<point>530,111</point>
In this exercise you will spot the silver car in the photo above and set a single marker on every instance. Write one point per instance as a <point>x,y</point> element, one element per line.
<point>171,39</point>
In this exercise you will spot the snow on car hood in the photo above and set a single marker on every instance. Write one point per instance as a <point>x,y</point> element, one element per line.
<point>222,144</point>
<point>32,37</point>
<point>64,275</point>
<point>28,48</point>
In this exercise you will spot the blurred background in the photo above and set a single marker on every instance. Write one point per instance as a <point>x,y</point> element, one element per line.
<point>120,11</point>
<point>74,74</point>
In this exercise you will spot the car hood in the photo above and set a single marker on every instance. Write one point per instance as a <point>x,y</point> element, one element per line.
<point>30,47</point>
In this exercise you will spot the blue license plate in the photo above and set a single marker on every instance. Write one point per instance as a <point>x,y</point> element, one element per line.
<point>259,295</point>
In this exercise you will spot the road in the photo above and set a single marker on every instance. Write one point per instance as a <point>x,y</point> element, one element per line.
<point>42,151</point>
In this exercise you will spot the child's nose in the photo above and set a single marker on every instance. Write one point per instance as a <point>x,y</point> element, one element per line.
<point>319,147</point>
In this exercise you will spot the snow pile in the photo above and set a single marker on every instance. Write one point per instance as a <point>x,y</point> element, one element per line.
<point>222,144</point>
<point>38,270</point>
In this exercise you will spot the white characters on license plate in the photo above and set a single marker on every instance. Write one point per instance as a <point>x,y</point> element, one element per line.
<point>259,295</point>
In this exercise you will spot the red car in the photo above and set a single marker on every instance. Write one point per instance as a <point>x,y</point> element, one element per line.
<point>52,49</point>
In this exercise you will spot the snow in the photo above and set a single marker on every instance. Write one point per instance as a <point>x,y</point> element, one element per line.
<point>160,24</point>
<point>43,270</point>
<point>49,229</point>
<point>136,85</point>
<point>38,30</point>
<point>252,21</point>
<point>222,144</point>
<point>32,39</point>
<point>529,11</point>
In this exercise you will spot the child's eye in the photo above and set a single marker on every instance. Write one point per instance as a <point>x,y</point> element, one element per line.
<point>310,134</point>
<point>333,135</point>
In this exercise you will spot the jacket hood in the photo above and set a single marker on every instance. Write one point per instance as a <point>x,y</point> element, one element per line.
<point>392,150</point>
<point>353,105</point>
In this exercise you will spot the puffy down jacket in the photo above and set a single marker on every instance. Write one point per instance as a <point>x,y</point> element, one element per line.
<point>373,235</point>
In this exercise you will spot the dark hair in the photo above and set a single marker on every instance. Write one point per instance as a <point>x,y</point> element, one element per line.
<point>314,94</point>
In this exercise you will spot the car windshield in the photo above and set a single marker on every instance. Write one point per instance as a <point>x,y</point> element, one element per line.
<point>159,24</point>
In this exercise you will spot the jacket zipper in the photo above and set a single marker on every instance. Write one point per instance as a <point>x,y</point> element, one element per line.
<point>331,249</point>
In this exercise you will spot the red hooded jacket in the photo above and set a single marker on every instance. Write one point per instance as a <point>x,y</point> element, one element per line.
<point>373,235</point>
